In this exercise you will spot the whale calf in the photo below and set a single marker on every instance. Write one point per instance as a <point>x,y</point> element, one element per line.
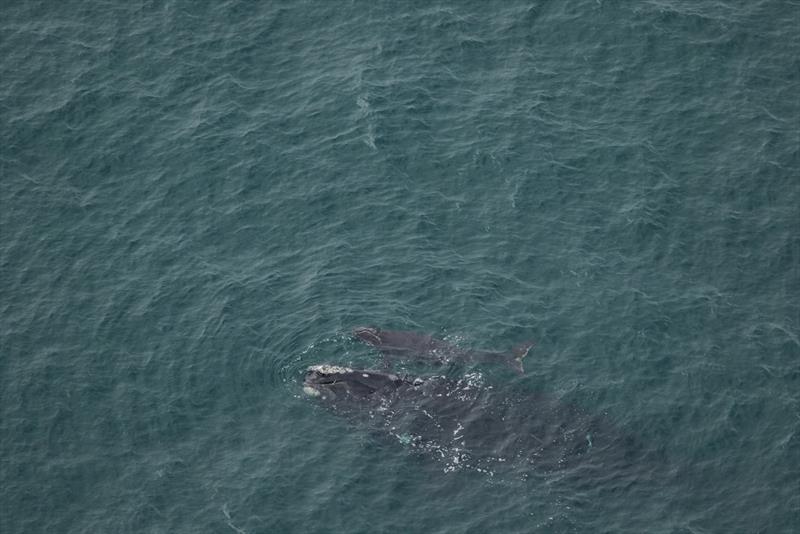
<point>404,344</point>
<point>469,425</point>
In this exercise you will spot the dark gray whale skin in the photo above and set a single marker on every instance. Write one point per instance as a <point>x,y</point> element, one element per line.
<point>468,425</point>
<point>413,345</point>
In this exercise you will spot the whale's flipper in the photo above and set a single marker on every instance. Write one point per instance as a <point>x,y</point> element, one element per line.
<point>519,352</point>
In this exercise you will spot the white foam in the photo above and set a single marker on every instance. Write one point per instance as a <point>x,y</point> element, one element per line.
<point>329,369</point>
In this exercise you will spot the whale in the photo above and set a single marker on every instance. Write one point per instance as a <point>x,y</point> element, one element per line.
<point>413,345</point>
<point>466,424</point>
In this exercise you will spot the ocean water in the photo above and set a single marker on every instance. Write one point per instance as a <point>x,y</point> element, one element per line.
<point>200,199</point>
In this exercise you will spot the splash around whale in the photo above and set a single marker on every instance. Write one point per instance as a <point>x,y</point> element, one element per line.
<point>413,345</point>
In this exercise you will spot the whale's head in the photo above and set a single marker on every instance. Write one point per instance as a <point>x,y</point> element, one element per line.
<point>345,385</point>
<point>368,334</point>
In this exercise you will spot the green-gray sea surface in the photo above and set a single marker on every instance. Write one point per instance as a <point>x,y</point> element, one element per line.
<point>200,199</point>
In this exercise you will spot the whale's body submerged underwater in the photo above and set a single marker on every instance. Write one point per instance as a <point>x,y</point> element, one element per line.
<point>413,345</point>
<point>466,424</point>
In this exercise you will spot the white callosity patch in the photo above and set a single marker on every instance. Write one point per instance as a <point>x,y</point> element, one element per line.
<point>308,390</point>
<point>458,429</point>
<point>472,380</point>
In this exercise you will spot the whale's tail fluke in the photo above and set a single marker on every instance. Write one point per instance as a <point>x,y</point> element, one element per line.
<point>518,353</point>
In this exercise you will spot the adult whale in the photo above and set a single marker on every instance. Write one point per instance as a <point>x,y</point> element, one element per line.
<point>469,425</point>
<point>404,344</point>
